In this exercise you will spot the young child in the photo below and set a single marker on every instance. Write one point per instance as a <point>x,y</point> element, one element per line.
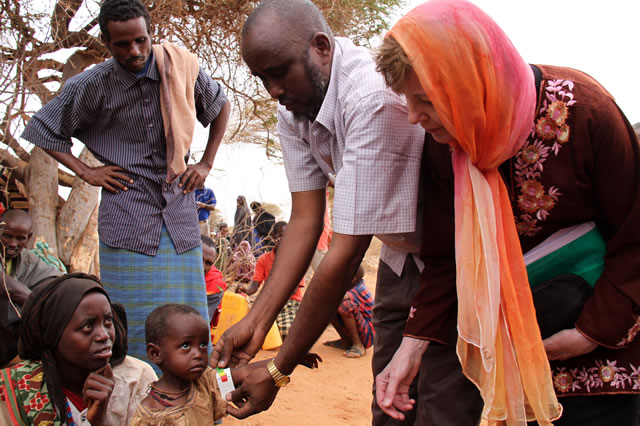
<point>353,319</point>
<point>188,392</point>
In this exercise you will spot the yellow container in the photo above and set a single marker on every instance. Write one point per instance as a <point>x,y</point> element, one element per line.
<point>233,308</point>
<point>273,339</point>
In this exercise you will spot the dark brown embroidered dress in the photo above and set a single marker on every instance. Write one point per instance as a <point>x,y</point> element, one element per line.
<point>580,163</point>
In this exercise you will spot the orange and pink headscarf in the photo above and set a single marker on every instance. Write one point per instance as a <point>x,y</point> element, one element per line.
<point>484,94</point>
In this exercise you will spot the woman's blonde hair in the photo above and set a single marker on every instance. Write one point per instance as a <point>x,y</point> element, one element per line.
<point>393,63</point>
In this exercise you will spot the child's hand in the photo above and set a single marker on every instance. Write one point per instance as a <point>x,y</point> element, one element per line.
<point>311,360</point>
<point>96,392</point>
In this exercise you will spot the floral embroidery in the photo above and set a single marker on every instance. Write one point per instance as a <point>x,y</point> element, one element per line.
<point>37,402</point>
<point>604,375</point>
<point>29,391</point>
<point>562,381</point>
<point>631,334</point>
<point>558,112</point>
<point>547,136</point>
<point>24,382</point>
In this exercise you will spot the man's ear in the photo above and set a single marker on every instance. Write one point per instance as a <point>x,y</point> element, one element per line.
<point>30,235</point>
<point>153,353</point>
<point>321,43</point>
<point>105,41</point>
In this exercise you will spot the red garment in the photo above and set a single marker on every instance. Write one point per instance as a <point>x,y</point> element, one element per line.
<point>325,237</point>
<point>214,281</point>
<point>75,399</point>
<point>263,269</point>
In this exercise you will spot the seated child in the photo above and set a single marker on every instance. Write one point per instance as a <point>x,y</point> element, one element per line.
<point>188,392</point>
<point>353,319</point>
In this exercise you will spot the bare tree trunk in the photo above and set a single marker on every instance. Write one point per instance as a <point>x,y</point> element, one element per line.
<point>84,252</point>
<point>75,214</point>
<point>42,185</point>
<point>95,266</point>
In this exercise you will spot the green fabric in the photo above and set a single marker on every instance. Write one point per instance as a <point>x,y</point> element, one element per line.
<point>583,256</point>
<point>25,392</point>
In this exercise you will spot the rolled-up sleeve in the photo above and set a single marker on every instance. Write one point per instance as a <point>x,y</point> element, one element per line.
<point>209,97</point>
<point>55,123</point>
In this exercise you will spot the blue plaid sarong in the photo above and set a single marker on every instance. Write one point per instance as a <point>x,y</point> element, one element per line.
<point>142,283</point>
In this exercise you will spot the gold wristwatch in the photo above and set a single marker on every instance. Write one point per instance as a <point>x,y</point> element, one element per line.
<point>281,380</point>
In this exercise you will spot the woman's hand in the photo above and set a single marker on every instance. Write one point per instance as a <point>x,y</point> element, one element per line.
<point>392,384</point>
<point>96,392</point>
<point>567,344</point>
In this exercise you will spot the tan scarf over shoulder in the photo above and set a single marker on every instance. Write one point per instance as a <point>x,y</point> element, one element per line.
<point>178,70</point>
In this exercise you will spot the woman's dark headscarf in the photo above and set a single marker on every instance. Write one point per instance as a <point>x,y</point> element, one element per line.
<point>45,315</point>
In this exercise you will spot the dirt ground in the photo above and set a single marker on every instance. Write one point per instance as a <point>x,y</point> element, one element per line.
<point>337,393</point>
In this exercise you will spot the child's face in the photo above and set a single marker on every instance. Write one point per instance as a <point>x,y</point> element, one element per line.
<point>87,340</point>
<point>208,257</point>
<point>183,352</point>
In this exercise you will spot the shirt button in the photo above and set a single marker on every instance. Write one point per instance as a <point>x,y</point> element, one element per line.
<point>150,125</point>
<point>146,101</point>
<point>154,150</point>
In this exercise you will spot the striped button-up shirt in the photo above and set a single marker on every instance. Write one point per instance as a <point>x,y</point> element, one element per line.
<point>117,116</point>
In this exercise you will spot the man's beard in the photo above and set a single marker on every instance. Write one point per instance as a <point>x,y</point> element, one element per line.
<point>319,84</point>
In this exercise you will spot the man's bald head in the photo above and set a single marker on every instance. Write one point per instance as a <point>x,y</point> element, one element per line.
<point>14,216</point>
<point>298,19</point>
<point>288,45</point>
<point>15,232</point>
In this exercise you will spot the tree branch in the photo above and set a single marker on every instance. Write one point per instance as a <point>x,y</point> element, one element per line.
<point>61,17</point>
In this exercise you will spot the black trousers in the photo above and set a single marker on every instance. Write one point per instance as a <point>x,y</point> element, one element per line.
<point>444,396</point>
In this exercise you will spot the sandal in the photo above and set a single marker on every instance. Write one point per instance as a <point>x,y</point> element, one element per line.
<point>339,343</point>
<point>354,352</point>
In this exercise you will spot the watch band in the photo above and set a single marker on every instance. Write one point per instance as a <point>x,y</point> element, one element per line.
<point>279,378</point>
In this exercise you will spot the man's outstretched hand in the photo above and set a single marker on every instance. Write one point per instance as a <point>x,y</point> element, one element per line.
<point>238,345</point>
<point>255,394</point>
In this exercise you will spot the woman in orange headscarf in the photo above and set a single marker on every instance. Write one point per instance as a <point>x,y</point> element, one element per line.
<point>522,152</point>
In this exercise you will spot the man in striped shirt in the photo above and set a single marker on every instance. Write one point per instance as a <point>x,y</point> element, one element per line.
<point>150,249</point>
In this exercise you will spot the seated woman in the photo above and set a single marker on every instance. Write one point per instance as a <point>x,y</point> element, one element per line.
<point>76,371</point>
